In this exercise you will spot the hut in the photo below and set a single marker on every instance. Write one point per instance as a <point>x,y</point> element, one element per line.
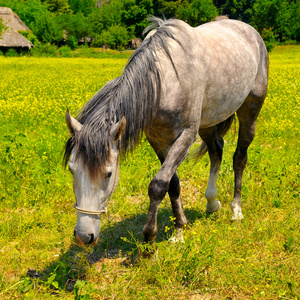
<point>135,43</point>
<point>11,38</point>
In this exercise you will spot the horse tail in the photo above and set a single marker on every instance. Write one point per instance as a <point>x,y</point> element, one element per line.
<point>222,129</point>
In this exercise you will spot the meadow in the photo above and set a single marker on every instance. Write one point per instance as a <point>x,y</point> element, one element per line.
<point>257,258</point>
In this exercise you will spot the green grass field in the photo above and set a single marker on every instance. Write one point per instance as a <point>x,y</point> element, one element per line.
<point>258,258</point>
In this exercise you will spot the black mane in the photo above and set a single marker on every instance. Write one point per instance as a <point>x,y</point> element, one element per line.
<point>135,94</point>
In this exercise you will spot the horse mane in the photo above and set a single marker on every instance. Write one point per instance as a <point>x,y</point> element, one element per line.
<point>135,94</point>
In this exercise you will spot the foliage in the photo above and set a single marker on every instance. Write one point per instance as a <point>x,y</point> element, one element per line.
<point>76,26</point>
<point>109,15</point>
<point>56,21</point>
<point>169,8</point>
<point>85,7</point>
<point>47,30</point>
<point>282,16</point>
<point>27,10</point>
<point>257,258</point>
<point>65,51</point>
<point>72,42</point>
<point>2,28</point>
<point>115,36</point>
<point>58,6</point>
<point>269,38</point>
<point>197,12</point>
<point>134,15</point>
<point>29,35</point>
<point>239,10</point>
<point>47,50</point>
<point>11,52</point>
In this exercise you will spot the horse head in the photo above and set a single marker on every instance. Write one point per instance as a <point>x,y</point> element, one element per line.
<point>92,189</point>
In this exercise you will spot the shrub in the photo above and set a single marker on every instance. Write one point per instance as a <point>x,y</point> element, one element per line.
<point>197,12</point>
<point>116,37</point>
<point>47,50</point>
<point>47,30</point>
<point>12,53</point>
<point>72,42</point>
<point>269,38</point>
<point>65,51</point>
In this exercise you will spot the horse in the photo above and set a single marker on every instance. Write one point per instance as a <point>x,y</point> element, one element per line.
<point>181,82</point>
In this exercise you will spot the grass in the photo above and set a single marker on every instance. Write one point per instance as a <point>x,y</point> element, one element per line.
<point>257,258</point>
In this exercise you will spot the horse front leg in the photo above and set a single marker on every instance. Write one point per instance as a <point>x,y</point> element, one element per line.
<point>165,179</point>
<point>177,208</point>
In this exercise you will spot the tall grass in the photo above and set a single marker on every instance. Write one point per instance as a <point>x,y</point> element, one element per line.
<point>257,258</point>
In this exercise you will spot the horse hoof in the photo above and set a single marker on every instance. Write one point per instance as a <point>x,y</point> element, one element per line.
<point>147,251</point>
<point>237,217</point>
<point>214,207</point>
<point>177,237</point>
<point>236,212</point>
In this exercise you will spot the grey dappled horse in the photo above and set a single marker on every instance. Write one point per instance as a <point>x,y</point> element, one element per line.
<point>182,81</point>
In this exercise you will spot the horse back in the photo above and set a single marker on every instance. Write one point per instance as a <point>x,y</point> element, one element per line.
<point>217,65</point>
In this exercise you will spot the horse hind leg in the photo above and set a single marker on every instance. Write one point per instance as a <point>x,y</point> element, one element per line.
<point>247,115</point>
<point>214,143</point>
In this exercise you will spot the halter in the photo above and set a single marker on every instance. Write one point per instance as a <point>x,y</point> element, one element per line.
<point>90,212</point>
<point>102,211</point>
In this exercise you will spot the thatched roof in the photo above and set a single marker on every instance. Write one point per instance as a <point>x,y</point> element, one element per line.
<point>11,37</point>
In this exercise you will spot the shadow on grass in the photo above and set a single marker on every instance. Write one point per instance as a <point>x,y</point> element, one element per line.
<point>116,239</point>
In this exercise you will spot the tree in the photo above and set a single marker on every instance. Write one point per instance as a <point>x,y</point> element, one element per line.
<point>76,25</point>
<point>238,9</point>
<point>280,16</point>
<point>197,12</point>
<point>58,6</point>
<point>134,15</point>
<point>82,6</point>
<point>170,8</point>
<point>115,37</point>
<point>47,30</point>
<point>27,10</point>
<point>107,16</point>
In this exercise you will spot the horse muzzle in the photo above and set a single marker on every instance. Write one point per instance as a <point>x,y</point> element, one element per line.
<point>89,239</point>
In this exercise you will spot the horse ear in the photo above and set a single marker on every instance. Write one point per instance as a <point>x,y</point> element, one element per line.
<point>73,125</point>
<point>118,129</point>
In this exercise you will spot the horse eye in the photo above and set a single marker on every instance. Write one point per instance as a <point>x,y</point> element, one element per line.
<point>108,175</point>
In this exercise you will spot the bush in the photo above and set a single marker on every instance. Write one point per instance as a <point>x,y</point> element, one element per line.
<point>281,15</point>
<point>65,51</point>
<point>11,53</point>
<point>197,12</point>
<point>269,38</point>
<point>72,42</point>
<point>47,50</point>
<point>47,30</point>
<point>116,37</point>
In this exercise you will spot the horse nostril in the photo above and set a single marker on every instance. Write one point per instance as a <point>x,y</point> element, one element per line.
<point>91,241</point>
